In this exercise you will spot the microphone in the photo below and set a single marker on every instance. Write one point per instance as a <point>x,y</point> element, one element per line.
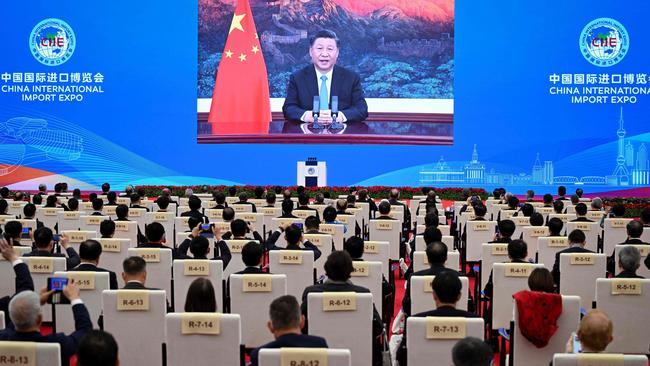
<point>316,110</point>
<point>335,107</point>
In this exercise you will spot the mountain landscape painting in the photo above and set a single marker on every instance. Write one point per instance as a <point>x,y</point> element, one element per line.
<point>401,48</point>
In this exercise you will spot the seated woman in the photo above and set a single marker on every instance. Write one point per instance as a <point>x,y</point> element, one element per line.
<point>201,297</point>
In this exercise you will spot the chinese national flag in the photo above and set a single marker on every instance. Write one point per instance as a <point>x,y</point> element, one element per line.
<point>240,101</point>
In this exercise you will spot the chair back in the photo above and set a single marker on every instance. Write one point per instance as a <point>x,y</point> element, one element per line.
<point>422,294</point>
<point>304,356</point>
<point>188,270</point>
<point>31,353</point>
<point>432,338</point>
<point>298,265</point>
<point>578,273</point>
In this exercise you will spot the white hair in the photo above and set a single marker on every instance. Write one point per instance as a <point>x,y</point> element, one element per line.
<point>24,309</point>
<point>629,258</point>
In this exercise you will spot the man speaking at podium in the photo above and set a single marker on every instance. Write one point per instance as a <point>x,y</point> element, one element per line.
<point>324,79</point>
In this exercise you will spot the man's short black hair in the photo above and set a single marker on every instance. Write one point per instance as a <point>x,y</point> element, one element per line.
<point>232,191</point>
<point>338,266</point>
<point>97,348</point>
<point>192,221</point>
<point>163,202</point>
<point>472,351</point>
<point>228,214</point>
<point>384,208</point>
<point>325,33</point>
<point>513,202</point>
<point>447,286</point>
<point>4,192</point>
<point>312,222</point>
<point>134,265</point>
<point>581,209</point>
<point>13,229</point>
<point>579,192</point>
<point>122,211</point>
<point>329,214</point>
<point>548,198</point>
<point>303,200</point>
<point>194,203</point>
<point>98,204</point>
<point>220,198</point>
<point>506,228</point>
<point>155,232</point>
<point>134,197</point>
<point>29,210</point>
<point>199,246</point>
<point>284,313</point>
<point>555,226</point>
<point>431,219</point>
<point>527,209</point>
<point>141,192</point>
<point>561,190</point>
<point>618,210</point>
<point>432,234</point>
<point>243,197</point>
<point>43,237</point>
<point>300,190</point>
<point>354,247</point>
<point>292,234</point>
<point>105,188</point>
<point>107,228</point>
<point>252,253</point>
<point>645,216</point>
<point>238,227</point>
<point>517,249</point>
<point>90,250</point>
<point>51,201</point>
<point>111,197</point>
<point>437,252</point>
<point>577,237</point>
<point>73,204</point>
<point>480,210</point>
<point>536,219</point>
<point>287,206</point>
<point>634,229</point>
<point>259,192</point>
<point>558,206</point>
<point>270,198</point>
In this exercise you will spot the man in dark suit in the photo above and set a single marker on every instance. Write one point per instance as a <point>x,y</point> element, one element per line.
<point>394,200</point>
<point>303,205</point>
<point>581,213</point>
<point>194,203</point>
<point>634,231</point>
<point>98,205</point>
<point>251,255</point>
<point>240,230</point>
<point>363,197</point>
<point>89,252</point>
<point>163,203</point>
<point>14,232</point>
<point>629,260</point>
<point>506,229</point>
<point>555,226</point>
<point>97,348</point>
<point>107,229</point>
<point>293,235</point>
<point>134,274</point>
<point>576,245</point>
<point>29,213</point>
<point>285,324</point>
<point>155,233</point>
<point>517,253</point>
<point>325,79</point>
<point>44,246</point>
<point>219,200</point>
<point>136,202</point>
<point>384,211</point>
<point>243,200</point>
<point>24,280</point>
<point>287,209</point>
<point>446,293</point>
<point>25,311</point>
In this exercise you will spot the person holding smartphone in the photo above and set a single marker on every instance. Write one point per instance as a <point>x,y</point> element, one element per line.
<point>44,246</point>
<point>24,280</point>
<point>593,335</point>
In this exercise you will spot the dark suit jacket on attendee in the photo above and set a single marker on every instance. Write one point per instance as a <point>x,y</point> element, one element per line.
<point>582,219</point>
<point>290,340</point>
<point>24,282</point>
<point>197,215</point>
<point>246,203</point>
<point>307,245</point>
<point>346,84</point>
<point>221,252</point>
<point>72,260</point>
<point>431,271</point>
<point>611,260</point>
<point>556,265</point>
<point>628,274</point>
<point>89,267</point>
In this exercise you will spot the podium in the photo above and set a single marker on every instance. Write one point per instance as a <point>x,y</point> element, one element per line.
<point>311,173</point>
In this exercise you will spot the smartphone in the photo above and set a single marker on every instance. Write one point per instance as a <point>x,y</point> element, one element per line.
<point>577,347</point>
<point>206,226</point>
<point>206,231</point>
<point>57,284</point>
<point>56,237</point>
<point>26,230</point>
<point>298,224</point>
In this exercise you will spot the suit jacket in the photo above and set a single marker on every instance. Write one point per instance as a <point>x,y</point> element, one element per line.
<point>24,282</point>
<point>69,343</point>
<point>219,207</point>
<point>289,341</point>
<point>582,219</point>
<point>71,261</point>
<point>88,267</point>
<point>611,260</point>
<point>346,84</point>
<point>407,212</point>
<point>431,271</point>
<point>556,265</point>
<point>246,203</point>
<point>221,252</point>
<point>197,215</point>
<point>628,274</point>
<point>251,270</point>
<point>307,245</point>
<point>97,213</point>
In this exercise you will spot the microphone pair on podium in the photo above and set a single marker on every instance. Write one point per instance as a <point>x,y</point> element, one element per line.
<point>333,112</point>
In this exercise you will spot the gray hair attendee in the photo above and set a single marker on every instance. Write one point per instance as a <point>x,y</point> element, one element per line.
<point>629,260</point>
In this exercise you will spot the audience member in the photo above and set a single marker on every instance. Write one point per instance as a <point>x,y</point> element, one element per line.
<point>294,238</point>
<point>594,333</point>
<point>629,260</point>
<point>243,200</point>
<point>517,253</point>
<point>581,213</point>
<point>577,243</point>
<point>89,253</point>
<point>201,297</point>
<point>634,231</point>
<point>555,226</point>
<point>98,348</point>
<point>44,247</point>
<point>506,229</point>
<point>472,351</point>
<point>252,254</point>
<point>23,279</point>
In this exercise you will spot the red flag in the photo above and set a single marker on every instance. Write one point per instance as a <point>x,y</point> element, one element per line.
<point>240,100</point>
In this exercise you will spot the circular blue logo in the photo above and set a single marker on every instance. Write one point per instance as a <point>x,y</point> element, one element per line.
<point>52,42</point>
<point>604,42</point>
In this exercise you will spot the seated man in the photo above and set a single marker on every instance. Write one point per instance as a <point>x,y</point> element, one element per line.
<point>629,260</point>
<point>251,254</point>
<point>14,233</point>
<point>199,246</point>
<point>285,324</point>
<point>446,294</point>
<point>220,201</point>
<point>577,240</point>
<point>331,80</point>
<point>194,204</point>
<point>240,230</point>
<point>29,213</point>
<point>98,205</point>
<point>561,192</point>
<point>594,333</point>
<point>558,207</point>
<point>517,253</point>
<point>384,211</point>
<point>634,231</point>
<point>44,247</point>
<point>156,238</point>
<point>122,213</point>
<point>134,274</point>
<point>243,200</point>
<point>293,235</point>
<point>136,202</point>
<point>393,199</point>
<point>25,313</point>
<point>107,229</point>
<point>89,253</point>
<point>287,209</point>
<point>97,348</point>
<point>329,217</point>
<point>471,351</point>
<point>506,229</point>
<point>23,279</point>
<point>270,199</point>
<point>581,213</point>
<point>555,227</point>
<point>548,200</point>
<point>303,204</point>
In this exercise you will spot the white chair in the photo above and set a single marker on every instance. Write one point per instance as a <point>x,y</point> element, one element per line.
<point>350,223</point>
<point>139,215</point>
<point>214,214</point>
<point>44,354</point>
<point>76,237</point>
<point>114,251</point>
<point>236,263</point>
<point>422,294</point>
<point>423,345</point>
<point>324,244</point>
<point>40,269</point>
<point>614,232</point>
<point>216,335</point>
<point>277,222</point>
<point>387,230</point>
<point>166,219</point>
<point>547,247</point>
<point>526,353</point>
<point>595,215</point>
<point>16,208</point>
<point>91,286</point>
<point>109,211</point>
<point>91,222</point>
<point>478,232</point>
<point>298,265</point>
<point>378,251</point>
<point>492,253</point>
<point>186,271</point>
<point>269,214</point>
<point>571,359</point>
<point>68,220</point>
<point>48,216</point>
<point>420,260</point>
<point>250,296</point>
<point>626,303</point>
<point>369,275</point>
<point>8,286</point>
<point>591,230</point>
<point>321,356</point>
<point>159,267</point>
<point>420,244</point>
<point>242,208</point>
<point>336,231</point>
<point>180,223</point>
<point>578,273</point>
<point>508,278</point>
<point>521,222</point>
<point>531,235</point>
<point>564,217</point>
<point>644,250</point>
<point>137,321</point>
<point>348,325</point>
<point>256,220</point>
<point>127,230</point>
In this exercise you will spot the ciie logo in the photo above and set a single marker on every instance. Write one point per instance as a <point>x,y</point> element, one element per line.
<point>604,42</point>
<point>52,42</point>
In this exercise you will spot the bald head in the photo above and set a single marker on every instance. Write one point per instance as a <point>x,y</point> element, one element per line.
<point>595,331</point>
<point>394,193</point>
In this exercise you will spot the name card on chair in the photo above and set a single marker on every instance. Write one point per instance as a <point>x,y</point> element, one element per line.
<point>50,211</point>
<point>327,229</point>
<point>250,217</point>
<point>360,269</point>
<point>109,210</point>
<point>196,267</point>
<point>78,236</point>
<point>316,240</point>
<point>517,270</point>
<point>480,226</point>
<point>521,220</point>
<point>644,250</point>
<point>427,284</point>
<point>111,245</point>
<point>200,323</point>
<point>446,328</point>
<point>135,213</point>
<point>627,286</point>
<point>236,246</point>
<point>560,241</point>
<point>384,225</point>
<point>18,204</point>
<point>121,225</point>
<point>18,353</point>
<point>303,357</point>
<point>83,280</point>
<point>290,257</point>
<point>339,301</point>
<point>150,255</point>
<point>71,215</point>
<point>41,265</point>
<point>583,226</point>
<point>132,300</point>
<point>160,217</point>
<point>93,220</point>
<point>500,249</point>
<point>583,258</point>
<point>618,223</point>
<point>268,211</point>
<point>599,359</point>
<point>257,283</point>
<point>539,231</point>
<point>370,247</point>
